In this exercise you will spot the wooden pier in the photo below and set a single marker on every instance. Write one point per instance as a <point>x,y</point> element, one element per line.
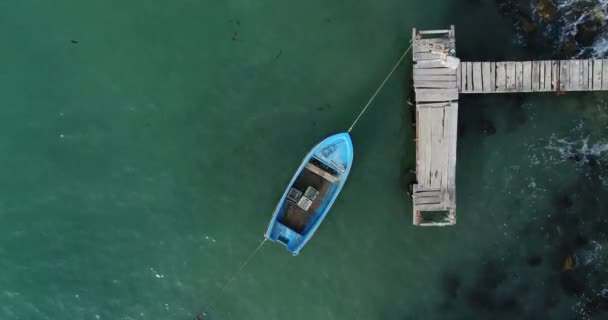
<point>439,77</point>
<point>436,86</point>
<point>533,76</point>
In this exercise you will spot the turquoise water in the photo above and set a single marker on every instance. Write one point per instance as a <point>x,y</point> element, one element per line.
<point>145,145</point>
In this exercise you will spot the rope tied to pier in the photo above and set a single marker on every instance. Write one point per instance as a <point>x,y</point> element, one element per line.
<point>381,86</point>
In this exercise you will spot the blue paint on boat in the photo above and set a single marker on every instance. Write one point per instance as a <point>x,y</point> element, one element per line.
<point>324,170</point>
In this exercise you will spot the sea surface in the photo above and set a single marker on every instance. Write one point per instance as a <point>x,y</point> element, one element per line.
<point>144,146</point>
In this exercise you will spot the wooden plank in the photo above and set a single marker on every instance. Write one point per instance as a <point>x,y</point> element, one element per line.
<point>477,77</point>
<point>435,43</point>
<point>446,146</point>
<point>436,145</point>
<point>463,76</point>
<point>597,74</point>
<point>427,148</point>
<point>590,75</point>
<point>435,78</point>
<point>435,84</point>
<point>501,77</point>
<point>535,75</point>
<point>547,73</point>
<point>584,74</point>
<point>564,75</point>
<point>604,74</point>
<point>527,76</point>
<point>428,154</point>
<point>452,114</point>
<point>492,76</point>
<point>575,75</point>
<point>433,105</point>
<point>430,207</point>
<point>422,126</point>
<point>427,56</point>
<point>485,75</point>
<point>433,31</point>
<point>510,76</point>
<point>420,188</point>
<point>589,81</point>
<point>322,173</point>
<point>430,95</point>
<point>554,74</point>
<point>541,76</point>
<point>429,64</point>
<point>419,49</point>
<point>470,85</point>
<point>519,79</point>
<point>427,194</point>
<point>434,72</point>
<point>580,74</point>
<point>458,81</point>
<point>427,200</point>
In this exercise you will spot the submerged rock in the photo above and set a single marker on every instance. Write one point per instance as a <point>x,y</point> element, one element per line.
<point>587,31</point>
<point>488,128</point>
<point>534,261</point>
<point>547,10</point>
<point>452,285</point>
<point>525,22</point>
<point>568,47</point>
<point>568,264</point>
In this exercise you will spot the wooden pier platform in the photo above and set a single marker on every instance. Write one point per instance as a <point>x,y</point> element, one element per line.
<point>439,77</point>
<point>436,87</point>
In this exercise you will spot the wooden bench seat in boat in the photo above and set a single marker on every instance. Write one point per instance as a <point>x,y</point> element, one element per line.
<point>322,173</point>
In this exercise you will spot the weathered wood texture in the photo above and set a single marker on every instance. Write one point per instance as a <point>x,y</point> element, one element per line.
<point>438,78</point>
<point>533,76</point>
<point>436,85</point>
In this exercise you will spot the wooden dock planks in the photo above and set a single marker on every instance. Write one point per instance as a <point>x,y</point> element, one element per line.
<point>437,84</point>
<point>533,76</point>
<point>436,87</point>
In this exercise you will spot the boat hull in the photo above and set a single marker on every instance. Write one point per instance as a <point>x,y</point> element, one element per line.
<point>324,170</point>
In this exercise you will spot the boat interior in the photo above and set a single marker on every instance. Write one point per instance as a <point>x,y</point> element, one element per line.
<point>320,179</point>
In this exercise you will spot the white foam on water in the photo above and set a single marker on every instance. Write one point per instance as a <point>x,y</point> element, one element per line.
<point>590,255</point>
<point>156,274</point>
<point>569,20</point>
<point>600,47</point>
<point>581,148</point>
<point>212,239</point>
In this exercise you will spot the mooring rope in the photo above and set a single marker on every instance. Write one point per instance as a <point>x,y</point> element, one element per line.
<point>380,87</point>
<point>238,271</point>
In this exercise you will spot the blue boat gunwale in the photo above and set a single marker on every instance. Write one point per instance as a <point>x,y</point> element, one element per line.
<point>345,137</point>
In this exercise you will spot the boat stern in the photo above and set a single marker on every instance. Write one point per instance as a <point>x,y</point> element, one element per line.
<point>283,235</point>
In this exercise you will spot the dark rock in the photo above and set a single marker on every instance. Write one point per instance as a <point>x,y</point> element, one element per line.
<point>547,10</point>
<point>587,31</point>
<point>568,47</point>
<point>580,241</point>
<point>487,128</point>
<point>451,285</point>
<point>562,201</point>
<point>535,260</point>
<point>525,22</point>
<point>573,283</point>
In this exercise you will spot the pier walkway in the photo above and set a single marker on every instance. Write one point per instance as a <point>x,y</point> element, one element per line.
<point>438,79</point>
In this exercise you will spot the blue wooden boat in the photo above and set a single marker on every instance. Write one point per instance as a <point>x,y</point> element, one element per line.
<point>311,192</point>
